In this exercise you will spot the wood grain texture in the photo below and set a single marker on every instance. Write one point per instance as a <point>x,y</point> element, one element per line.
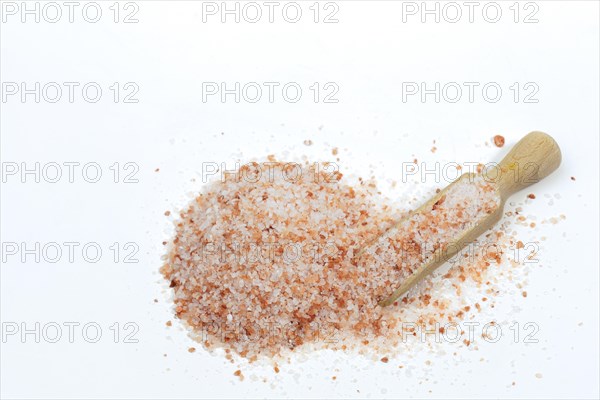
<point>532,159</point>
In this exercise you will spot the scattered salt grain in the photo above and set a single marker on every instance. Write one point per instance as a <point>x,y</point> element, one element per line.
<point>499,140</point>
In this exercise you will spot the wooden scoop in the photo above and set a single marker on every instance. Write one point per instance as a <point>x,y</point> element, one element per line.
<point>533,158</point>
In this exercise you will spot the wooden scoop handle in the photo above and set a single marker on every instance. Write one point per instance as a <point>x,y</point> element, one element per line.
<point>532,159</point>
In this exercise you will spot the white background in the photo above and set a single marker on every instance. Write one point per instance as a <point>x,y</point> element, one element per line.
<point>369,53</point>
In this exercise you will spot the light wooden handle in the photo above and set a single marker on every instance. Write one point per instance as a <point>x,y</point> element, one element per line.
<point>532,159</point>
